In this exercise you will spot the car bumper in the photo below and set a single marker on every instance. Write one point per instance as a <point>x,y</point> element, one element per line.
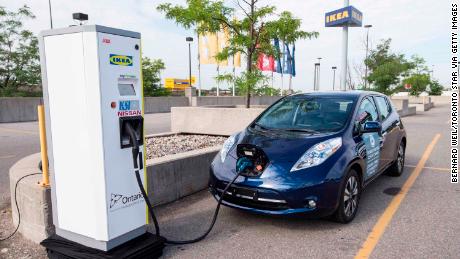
<point>271,201</point>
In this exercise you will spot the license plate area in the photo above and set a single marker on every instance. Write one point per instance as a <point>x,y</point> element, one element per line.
<point>245,193</point>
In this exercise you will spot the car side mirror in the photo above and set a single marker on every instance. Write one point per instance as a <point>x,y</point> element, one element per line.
<point>371,126</point>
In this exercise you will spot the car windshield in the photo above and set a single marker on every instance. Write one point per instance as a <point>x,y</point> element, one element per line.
<point>307,114</point>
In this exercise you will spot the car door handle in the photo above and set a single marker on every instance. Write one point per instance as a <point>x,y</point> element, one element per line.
<point>382,139</point>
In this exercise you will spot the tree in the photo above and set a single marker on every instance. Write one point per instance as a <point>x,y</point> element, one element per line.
<point>419,83</point>
<point>436,88</point>
<point>151,69</point>
<point>418,77</point>
<point>250,33</point>
<point>18,52</point>
<point>386,68</point>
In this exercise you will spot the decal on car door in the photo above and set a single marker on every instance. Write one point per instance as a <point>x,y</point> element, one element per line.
<point>372,143</point>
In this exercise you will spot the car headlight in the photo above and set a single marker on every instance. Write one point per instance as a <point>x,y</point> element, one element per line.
<point>318,154</point>
<point>228,144</point>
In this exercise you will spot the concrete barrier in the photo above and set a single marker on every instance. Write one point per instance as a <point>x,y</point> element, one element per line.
<point>34,201</point>
<point>403,108</point>
<point>173,177</point>
<point>168,178</point>
<point>233,100</point>
<point>17,109</point>
<point>163,104</point>
<point>212,120</point>
<point>20,109</point>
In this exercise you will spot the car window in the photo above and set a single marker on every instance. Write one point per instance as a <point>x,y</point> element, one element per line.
<point>367,111</point>
<point>383,106</point>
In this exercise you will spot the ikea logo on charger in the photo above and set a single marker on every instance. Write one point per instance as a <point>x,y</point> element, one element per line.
<point>121,60</point>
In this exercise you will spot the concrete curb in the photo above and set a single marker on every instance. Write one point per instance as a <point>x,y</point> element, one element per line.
<point>34,201</point>
<point>169,178</point>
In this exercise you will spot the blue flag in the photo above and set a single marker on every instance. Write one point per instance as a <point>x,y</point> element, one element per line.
<point>293,72</point>
<point>279,68</point>
<point>287,61</point>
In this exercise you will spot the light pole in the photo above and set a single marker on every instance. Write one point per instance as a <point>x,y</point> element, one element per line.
<point>315,78</point>
<point>189,40</point>
<point>319,70</point>
<point>333,78</point>
<point>368,26</point>
<point>51,16</point>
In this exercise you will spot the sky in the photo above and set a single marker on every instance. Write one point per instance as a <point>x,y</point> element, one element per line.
<point>418,27</point>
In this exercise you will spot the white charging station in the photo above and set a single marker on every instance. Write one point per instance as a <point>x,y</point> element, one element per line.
<point>92,85</point>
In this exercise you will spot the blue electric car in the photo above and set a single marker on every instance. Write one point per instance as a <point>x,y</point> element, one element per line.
<point>311,154</point>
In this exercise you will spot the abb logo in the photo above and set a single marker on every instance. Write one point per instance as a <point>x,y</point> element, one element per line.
<point>105,40</point>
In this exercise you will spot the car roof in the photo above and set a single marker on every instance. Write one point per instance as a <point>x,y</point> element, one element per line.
<point>351,93</point>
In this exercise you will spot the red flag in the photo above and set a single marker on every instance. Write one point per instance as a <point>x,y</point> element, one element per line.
<point>266,63</point>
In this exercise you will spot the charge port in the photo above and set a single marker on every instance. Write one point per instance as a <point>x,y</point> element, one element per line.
<point>252,158</point>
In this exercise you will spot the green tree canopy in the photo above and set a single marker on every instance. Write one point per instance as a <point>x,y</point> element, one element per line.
<point>18,52</point>
<point>151,69</point>
<point>436,88</point>
<point>386,68</point>
<point>250,33</point>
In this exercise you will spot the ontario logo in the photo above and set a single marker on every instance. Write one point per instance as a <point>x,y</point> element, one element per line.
<point>121,60</point>
<point>120,201</point>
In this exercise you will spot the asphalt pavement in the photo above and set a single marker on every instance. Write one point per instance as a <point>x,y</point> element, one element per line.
<point>412,216</point>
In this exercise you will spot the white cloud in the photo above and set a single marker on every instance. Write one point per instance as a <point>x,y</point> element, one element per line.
<point>416,27</point>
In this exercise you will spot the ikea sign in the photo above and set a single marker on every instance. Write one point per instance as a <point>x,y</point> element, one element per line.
<point>347,16</point>
<point>121,60</point>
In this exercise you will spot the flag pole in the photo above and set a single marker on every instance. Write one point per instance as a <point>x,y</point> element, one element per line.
<point>199,65</point>
<point>218,74</point>
<point>234,75</point>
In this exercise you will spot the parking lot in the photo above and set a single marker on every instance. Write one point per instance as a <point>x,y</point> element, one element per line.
<point>413,216</point>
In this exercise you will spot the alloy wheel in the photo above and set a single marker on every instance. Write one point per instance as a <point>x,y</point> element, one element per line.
<point>350,196</point>
<point>400,159</point>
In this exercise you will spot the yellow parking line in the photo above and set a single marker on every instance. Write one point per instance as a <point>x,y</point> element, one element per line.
<point>379,228</point>
<point>19,131</point>
<point>432,168</point>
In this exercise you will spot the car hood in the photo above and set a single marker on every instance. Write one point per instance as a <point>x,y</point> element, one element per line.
<point>280,146</point>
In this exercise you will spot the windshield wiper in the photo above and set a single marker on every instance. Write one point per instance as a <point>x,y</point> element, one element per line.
<point>260,126</point>
<point>302,130</point>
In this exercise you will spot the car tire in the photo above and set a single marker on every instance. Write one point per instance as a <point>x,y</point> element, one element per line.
<point>348,205</point>
<point>397,168</point>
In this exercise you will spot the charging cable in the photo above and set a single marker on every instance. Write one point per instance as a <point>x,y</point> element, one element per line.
<point>138,156</point>
<point>17,207</point>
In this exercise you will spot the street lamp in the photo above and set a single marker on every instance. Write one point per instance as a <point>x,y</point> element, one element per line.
<point>189,40</point>
<point>367,26</point>
<point>333,78</point>
<point>319,70</point>
<point>51,15</point>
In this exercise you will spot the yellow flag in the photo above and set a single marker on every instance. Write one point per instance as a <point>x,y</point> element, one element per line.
<point>223,42</point>
<point>208,48</point>
<point>237,59</point>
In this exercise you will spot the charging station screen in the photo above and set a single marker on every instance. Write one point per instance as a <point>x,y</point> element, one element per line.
<point>126,89</point>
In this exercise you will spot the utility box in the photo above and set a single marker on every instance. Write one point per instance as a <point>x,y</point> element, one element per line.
<point>92,87</point>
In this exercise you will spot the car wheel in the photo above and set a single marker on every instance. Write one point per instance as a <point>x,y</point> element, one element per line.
<point>397,168</point>
<point>349,198</point>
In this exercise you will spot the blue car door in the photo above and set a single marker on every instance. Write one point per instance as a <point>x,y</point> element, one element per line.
<point>387,142</point>
<point>367,111</point>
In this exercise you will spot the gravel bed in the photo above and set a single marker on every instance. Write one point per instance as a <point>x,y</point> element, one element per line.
<point>175,144</point>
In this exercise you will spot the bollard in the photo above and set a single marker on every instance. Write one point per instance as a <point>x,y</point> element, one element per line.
<point>45,182</point>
